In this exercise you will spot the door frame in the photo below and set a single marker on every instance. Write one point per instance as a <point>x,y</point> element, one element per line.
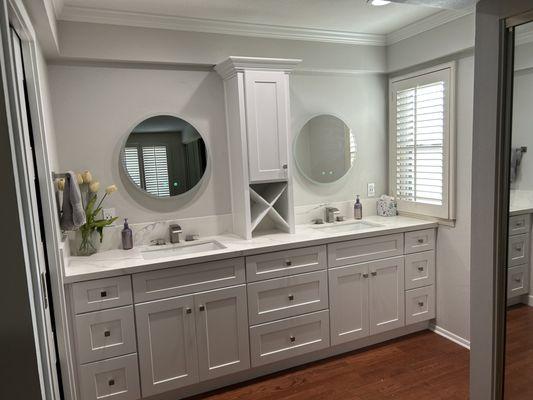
<point>15,13</point>
<point>494,49</point>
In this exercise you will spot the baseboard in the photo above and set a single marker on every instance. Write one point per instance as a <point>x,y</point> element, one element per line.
<point>529,301</point>
<point>450,336</point>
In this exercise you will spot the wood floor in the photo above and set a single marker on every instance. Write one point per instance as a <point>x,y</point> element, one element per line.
<point>519,353</point>
<point>419,366</point>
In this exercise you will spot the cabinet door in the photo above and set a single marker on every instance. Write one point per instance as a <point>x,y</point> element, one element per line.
<point>222,328</point>
<point>348,293</point>
<point>387,305</point>
<point>166,341</point>
<point>267,114</point>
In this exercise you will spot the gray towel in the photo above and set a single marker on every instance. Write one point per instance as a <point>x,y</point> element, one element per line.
<point>516,158</point>
<point>73,215</point>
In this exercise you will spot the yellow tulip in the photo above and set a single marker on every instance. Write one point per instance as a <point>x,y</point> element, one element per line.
<point>79,179</point>
<point>111,189</point>
<point>94,186</point>
<point>61,184</point>
<point>87,177</point>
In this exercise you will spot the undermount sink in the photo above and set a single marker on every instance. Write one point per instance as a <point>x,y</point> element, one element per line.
<point>180,249</point>
<point>338,227</point>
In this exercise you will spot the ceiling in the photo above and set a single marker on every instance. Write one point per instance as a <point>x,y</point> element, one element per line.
<point>353,16</point>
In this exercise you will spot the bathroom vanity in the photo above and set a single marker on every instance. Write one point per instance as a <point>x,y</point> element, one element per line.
<point>179,325</point>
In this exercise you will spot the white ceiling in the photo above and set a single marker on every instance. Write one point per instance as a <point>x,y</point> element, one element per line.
<point>353,16</point>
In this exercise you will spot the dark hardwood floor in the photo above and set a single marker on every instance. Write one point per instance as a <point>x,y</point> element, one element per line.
<point>519,353</point>
<point>419,366</point>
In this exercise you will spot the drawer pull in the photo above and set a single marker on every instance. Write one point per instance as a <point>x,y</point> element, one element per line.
<point>420,240</point>
<point>291,297</point>
<point>518,279</point>
<point>421,269</point>
<point>188,310</point>
<point>420,304</point>
<point>519,224</point>
<point>107,333</point>
<point>292,339</point>
<point>111,382</point>
<point>103,293</point>
<point>284,166</point>
<point>374,273</point>
<point>518,248</point>
<point>365,276</point>
<point>201,308</point>
<point>288,263</point>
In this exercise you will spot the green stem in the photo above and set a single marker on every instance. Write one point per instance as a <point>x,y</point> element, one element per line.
<point>101,201</point>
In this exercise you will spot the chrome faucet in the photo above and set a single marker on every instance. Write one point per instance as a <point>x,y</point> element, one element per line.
<point>331,214</point>
<point>174,231</point>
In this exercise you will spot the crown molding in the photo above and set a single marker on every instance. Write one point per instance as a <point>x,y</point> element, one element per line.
<point>427,24</point>
<point>229,67</point>
<point>145,20</point>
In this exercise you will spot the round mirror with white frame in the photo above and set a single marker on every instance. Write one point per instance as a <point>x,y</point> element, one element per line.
<point>164,156</point>
<point>325,149</point>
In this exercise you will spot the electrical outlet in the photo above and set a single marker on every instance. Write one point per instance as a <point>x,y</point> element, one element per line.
<point>109,213</point>
<point>371,189</point>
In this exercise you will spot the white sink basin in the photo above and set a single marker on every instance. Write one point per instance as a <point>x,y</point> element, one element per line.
<point>339,227</point>
<point>180,249</point>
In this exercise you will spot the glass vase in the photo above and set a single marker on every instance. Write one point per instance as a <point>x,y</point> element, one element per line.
<point>87,243</point>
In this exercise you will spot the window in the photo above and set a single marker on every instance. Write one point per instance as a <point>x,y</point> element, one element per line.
<point>153,176</point>
<point>422,142</point>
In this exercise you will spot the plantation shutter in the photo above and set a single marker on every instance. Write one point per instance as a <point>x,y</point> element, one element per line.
<point>155,165</point>
<point>420,143</point>
<point>131,161</point>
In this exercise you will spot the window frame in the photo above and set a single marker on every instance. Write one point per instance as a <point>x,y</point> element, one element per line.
<point>446,72</point>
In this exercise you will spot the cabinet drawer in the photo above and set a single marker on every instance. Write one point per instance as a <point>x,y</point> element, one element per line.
<point>517,281</point>
<point>361,250</point>
<point>418,241</point>
<point>275,341</point>
<point>287,297</point>
<point>283,263</point>
<point>518,251</point>
<point>113,379</point>
<point>519,224</point>
<point>101,294</point>
<point>178,281</point>
<point>104,334</point>
<point>419,304</point>
<point>419,269</point>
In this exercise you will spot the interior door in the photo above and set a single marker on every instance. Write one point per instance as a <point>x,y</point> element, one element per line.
<point>267,124</point>
<point>222,329</point>
<point>387,304</point>
<point>166,342</point>
<point>348,291</point>
<point>29,205</point>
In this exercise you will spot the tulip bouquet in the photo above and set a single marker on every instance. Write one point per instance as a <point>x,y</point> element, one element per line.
<point>93,208</point>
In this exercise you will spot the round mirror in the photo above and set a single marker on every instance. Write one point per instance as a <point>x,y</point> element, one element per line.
<point>325,149</point>
<point>164,156</point>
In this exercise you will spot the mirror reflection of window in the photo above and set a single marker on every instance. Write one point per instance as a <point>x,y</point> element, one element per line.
<point>165,156</point>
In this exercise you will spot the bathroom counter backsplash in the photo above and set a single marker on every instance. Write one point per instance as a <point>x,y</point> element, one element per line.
<point>521,202</point>
<point>114,261</point>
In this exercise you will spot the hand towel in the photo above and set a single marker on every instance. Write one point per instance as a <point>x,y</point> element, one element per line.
<point>73,215</point>
<point>516,158</point>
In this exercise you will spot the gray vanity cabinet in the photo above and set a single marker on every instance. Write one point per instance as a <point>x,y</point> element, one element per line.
<point>187,339</point>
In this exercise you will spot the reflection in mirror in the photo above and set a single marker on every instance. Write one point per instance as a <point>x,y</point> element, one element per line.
<point>164,156</point>
<point>325,149</point>
<point>519,339</point>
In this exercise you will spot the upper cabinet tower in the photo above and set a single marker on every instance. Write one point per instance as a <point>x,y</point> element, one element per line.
<point>258,123</point>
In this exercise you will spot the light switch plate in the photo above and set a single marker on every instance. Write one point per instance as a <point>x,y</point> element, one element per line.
<point>109,213</point>
<point>371,189</point>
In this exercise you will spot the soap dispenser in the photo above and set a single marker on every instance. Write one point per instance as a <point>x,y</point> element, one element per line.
<point>357,209</point>
<point>127,236</point>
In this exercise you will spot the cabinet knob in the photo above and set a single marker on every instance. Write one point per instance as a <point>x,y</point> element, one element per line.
<point>420,240</point>
<point>365,275</point>
<point>518,248</point>
<point>292,339</point>
<point>518,279</point>
<point>201,308</point>
<point>284,166</point>
<point>373,273</point>
<point>103,293</point>
<point>291,297</point>
<point>420,269</point>
<point>107,333</point>
<point>188,310</point>
<point>111,382</point>
<point>420,304</point>
<point>288,263</point>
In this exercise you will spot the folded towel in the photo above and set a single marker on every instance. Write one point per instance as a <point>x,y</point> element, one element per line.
<point>516,158</point>
<point>73,215</point>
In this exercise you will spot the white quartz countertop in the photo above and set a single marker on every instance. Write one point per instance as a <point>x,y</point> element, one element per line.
<point>521,202</point>
<point>120,262</point>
